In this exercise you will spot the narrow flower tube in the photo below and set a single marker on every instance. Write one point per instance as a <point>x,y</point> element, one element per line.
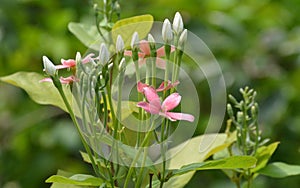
<point>103,54</point>
<point>134,41</point>
<point>119,44</point>
<point>182,39</point>
<point>167,33</point>
<point>177,23</point>
<point>49,67</point>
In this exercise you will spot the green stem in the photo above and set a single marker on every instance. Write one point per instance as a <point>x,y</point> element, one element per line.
<point>144,143</point>
<point>73,117</point>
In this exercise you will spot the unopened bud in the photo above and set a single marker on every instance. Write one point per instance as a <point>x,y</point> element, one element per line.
<point>229,110</point>
<point>151,41</point>
<point>167,33</point>
<point>122,64</point>
<point>134,41</point>
<point>182,39</point>
<point>232,99</point>
<point>103,54</point>
<point>240,117</point>
<point>177,23</point>
<point>119,44</point>
<point>49,67</point>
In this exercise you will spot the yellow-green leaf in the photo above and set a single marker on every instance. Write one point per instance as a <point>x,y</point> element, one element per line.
<point>126,27</point>
<point>280,170</point>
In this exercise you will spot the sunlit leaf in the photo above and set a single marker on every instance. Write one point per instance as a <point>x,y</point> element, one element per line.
<point>280,170</point>
<point>201,147</point>
<point>126,27</point>
<point>227,163</point>
<point>40,92</point>
<point>77,179</point>
<point>263,155</point>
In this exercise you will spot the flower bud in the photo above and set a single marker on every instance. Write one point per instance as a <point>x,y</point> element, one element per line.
<point>122,64</point>
<point>49,67</point>
<point>177,23</point>
<point>240,117</point>
<point>229,110</point>
<point>134,41</point>
<point>78,58</point>
<point>119,44</point>
<point>167,33</point>
<point>182,39</point>
<point>151,41</point>
<point>103,54</point>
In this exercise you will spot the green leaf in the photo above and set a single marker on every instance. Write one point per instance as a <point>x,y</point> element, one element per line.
<point>234,162</point>
<point>126,27</point>
<point>201,147</point>
<point>77,179</point>
<point>40,92</point>
<point>88,34</point>
<point>280,170</point>
<point>263,155</point>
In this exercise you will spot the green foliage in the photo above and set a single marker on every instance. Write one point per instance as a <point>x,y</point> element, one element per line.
<point>280,170</point>
<point>40,92</point>
<point>234,162</point>
<point>126,27</point>
<point>77,179</point>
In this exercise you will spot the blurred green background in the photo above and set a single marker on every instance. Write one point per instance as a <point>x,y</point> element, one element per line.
<point>257,43</point>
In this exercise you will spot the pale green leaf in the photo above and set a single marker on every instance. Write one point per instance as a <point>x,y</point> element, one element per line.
<point>88,34</point>
<point>263,155</point>
<point>77,179</point>
<point>40,92</point>
<point>234,162</point>
<point>280,170</point>
<point>63,185</point>
<point>126,27</point>
<point>195,150</point>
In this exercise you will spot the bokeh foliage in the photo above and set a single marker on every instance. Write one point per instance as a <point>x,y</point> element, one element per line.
<point>257,43</point>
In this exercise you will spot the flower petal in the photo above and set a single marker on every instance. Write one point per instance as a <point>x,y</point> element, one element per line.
<point>160,63</point>
<point>151,94</point>
<point>128,53</point>
<point>141,86</point>
<point>68,80</point>
<point>161,51</point>
<point>171,102</point>
<point>46,80</point>
<point>145,47</point>
<point>152,108</point>
<point>180,116</point>
<point>87,58</point>
<point>169,85</point>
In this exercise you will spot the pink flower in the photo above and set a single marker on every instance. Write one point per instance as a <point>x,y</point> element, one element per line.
<point>67,80</point>
<point>162,87</point>
<point>154,105</point>
<point>145,51</point>
<point>69,63</point>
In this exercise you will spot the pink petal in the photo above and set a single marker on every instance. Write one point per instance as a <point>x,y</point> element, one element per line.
<point>161,51</point>
<point>128,53</point>
<point>62,66</point>
<point>69,62</point>
<point>141,86</point>
<point>180,116</point>
<point>68,80</point>
<point>162,86</point>
<point>151,94</point>
<point>160,63</point>
<point>46,80</point>
<point>142,62</point>
<point>144,47</point>
<point>152,108</point>
<point>87,58</point>
<point>171,102</point>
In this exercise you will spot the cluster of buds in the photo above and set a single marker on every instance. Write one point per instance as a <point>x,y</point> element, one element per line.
<point>246,121</point>
<point>176,31</point>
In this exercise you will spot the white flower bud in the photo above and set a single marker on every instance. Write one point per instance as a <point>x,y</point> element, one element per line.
<point>167,33</point>
<point>49,67</point>
<point>182,38</point>
<point>78,58</point>
<point>134,41</point>
<point>151,41</point>
<point>119,44</point>
<point>122,64</point>
<point>177,23</point>
<point>103,54</point>
<point>110,65</point>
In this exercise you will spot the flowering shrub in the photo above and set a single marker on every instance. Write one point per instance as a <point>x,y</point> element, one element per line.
<point>128,122</point>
